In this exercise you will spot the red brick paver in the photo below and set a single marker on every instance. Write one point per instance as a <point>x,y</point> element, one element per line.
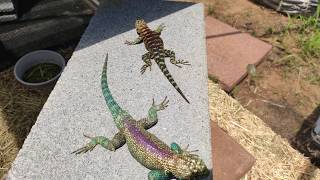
<point>230,51</point>
<point>230,160</point>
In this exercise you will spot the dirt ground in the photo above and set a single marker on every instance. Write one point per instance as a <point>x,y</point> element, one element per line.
<point>286,95</point>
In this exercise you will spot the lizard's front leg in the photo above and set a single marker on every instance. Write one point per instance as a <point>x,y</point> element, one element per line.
<point>160,28</point>
<point>172,56</point>
<point>138,40</point>
<point>146,58</point>
<point>117,141</point>
<point>152,118</point>
<point>176,148</point>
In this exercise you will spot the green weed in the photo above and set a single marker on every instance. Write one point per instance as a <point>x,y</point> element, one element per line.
<point>311,45</point>
<point>213,78</point>
<point>269,31</point>
<point>305,23</point>
<point>235,91</point>
<point>291,62</point>
<point>308,28</point>
<point>210,10</point>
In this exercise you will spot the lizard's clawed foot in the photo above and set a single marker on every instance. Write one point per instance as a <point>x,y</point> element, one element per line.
<point>182,62</point>
<point>162,105</point>
<point>191,151</point>
<point>88,147</point>
<point>103,141</point>
<point>161,27</point>
<point>129,42</point>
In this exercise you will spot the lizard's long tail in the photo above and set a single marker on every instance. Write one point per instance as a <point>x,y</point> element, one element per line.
<point>165,71</point>
<point>113,106</point>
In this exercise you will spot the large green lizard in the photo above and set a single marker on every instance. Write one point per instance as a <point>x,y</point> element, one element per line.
<point>164,162</point>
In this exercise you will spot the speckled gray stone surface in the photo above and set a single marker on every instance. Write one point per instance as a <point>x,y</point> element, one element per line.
<point>76,104</point>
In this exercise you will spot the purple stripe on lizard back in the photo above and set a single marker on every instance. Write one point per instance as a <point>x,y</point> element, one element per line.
<point>146,142</point>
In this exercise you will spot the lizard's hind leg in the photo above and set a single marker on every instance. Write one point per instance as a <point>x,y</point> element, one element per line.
<point>146,58</point>
<point>172,56</point>
<point>159,175</point>
<point>176,148</point>
<point>152,118</point>
<point>117,141</point>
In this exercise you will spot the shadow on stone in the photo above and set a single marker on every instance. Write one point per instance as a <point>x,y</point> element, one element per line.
<point>6,58</point>
<point>32,35</point>
<point>114,17</point>
<point>24,7</point>
<point>43,24</point>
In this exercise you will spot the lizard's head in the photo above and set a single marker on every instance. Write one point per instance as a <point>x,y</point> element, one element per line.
<point>189,166</point>
<point>140,24</point>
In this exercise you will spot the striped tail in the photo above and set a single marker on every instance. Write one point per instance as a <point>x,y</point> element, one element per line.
<point>165,71</point>
<point>113,106</point>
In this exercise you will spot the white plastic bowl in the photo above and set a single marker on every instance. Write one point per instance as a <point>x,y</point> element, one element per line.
<point>34,58</point>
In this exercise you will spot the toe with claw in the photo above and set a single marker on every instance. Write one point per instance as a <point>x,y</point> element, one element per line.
<point>88,147</point>
<point>144,68</point>
<point>128,42</point>
<point>162,105</point>
<point>183,62</point>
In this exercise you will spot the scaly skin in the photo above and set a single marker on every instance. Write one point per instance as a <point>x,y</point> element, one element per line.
<point>156,51</point>
<point>164,162</point>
